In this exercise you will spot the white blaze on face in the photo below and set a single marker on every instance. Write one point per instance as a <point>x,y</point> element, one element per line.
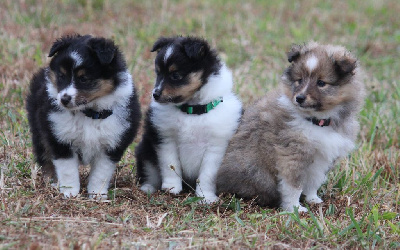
<point>312,63</point>
<point>71,91</point>
<point>168,53</point>
<point>77,58</point>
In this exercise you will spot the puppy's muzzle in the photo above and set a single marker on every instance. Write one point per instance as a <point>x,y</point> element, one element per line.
<point>157,94</point>
<point>66,99</point>
<point>300,98</point>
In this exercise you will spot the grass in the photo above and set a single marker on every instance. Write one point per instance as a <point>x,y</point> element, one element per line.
<point>361,206</point>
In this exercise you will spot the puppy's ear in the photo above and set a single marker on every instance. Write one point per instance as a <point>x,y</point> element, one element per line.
<point>345,64</point>
<point>160,43</point>
<point>61,44</point>
<point>104,49</point>
<point>294,53</point>
<point>195,48</point>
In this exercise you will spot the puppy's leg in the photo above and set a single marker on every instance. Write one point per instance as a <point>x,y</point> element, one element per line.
<point>206,187</point>
<point>290,196</point>
<point>312,197</point>
<point>170,167</point>
<point>310,191</point>
<point>314,179</point>
<point>152,176</point>
<point>101,171</point>
<point>67,170</point>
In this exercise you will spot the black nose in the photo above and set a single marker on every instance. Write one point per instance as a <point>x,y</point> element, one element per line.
<point>300,99</point>
<point>156,94</point>
<point>65,99</point>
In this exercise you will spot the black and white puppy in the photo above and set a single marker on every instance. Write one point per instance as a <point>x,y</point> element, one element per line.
<point>82,108</point>
<point>192,116</point>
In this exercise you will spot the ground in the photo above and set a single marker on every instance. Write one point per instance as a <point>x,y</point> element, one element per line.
<point>361,195</point>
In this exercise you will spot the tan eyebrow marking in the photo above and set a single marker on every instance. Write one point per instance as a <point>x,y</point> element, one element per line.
<point>172,68</point>
<point>81,72</point>
<point>63,70</point>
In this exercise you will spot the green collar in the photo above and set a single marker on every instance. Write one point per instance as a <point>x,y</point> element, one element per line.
<point>199,109</point>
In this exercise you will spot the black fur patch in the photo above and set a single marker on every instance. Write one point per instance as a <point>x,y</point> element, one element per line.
<point>146,150</point>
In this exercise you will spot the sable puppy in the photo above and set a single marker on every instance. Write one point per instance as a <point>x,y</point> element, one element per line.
<point>191,118</point>
<point>82,108</point>
<point>289,139</point>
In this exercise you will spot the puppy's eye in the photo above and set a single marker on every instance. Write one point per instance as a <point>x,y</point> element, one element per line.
<point>60,75</point>
<point>175,76</point>
<point>300,81</point>
<point>321,83</point>
<point>82,79</point>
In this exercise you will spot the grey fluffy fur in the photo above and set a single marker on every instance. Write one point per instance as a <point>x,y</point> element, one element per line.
<point>275,143</point>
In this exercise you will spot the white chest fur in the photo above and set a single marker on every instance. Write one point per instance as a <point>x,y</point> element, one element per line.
<point>88,135</point>
<point>328,142</point>
<point>193,135</point>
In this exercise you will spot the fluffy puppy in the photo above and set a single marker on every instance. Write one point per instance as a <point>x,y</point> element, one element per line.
<point>82,108</point>
<point>289,139</point>
<point>191,118</point>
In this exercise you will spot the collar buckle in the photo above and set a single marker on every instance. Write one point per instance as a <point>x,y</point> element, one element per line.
<point>319,122</point>
<point>200,109</point>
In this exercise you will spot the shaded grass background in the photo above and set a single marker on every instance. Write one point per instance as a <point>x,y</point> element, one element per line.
<point>362,197</point>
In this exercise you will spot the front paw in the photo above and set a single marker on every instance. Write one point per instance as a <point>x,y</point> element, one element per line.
<point>209,198</point>
<point>148,188</point>
<point>97,192</point>
<point>313,199</point>
<point>173,188</point>
<point>300,208</point>
<point>69,192</point>
<point>95,196</point>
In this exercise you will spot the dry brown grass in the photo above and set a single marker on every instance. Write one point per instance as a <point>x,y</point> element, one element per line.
<point>362,197</point>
